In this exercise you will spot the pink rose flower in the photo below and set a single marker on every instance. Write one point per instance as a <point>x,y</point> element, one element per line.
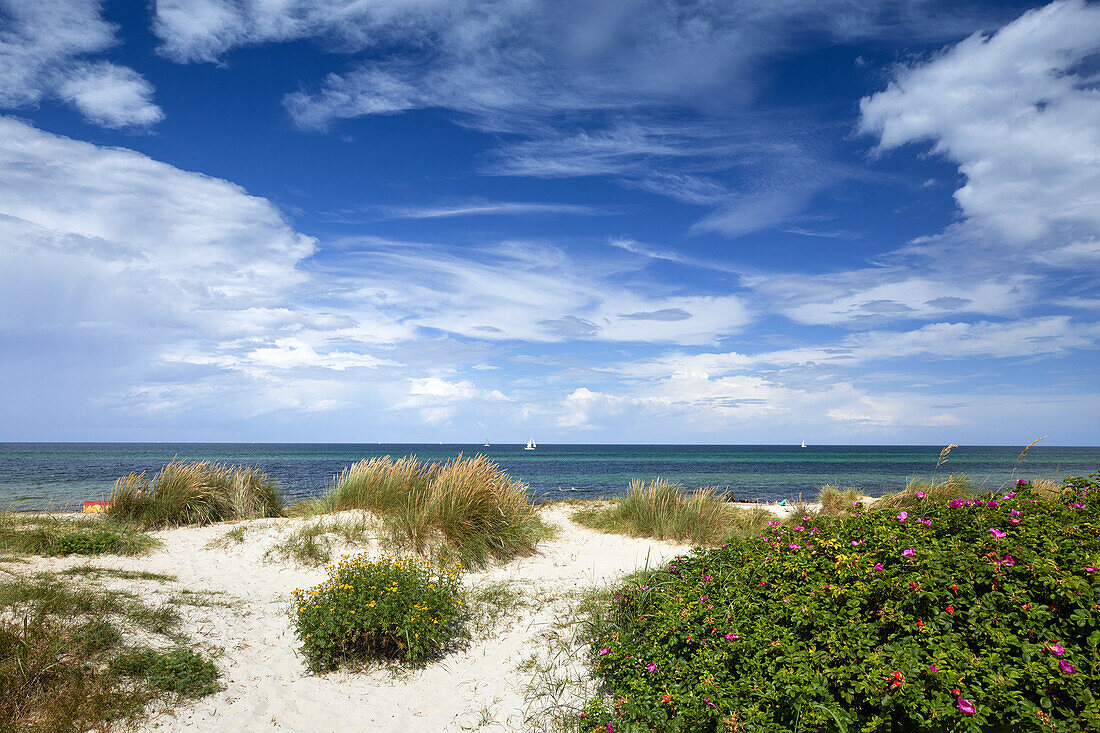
<point>966,706</point>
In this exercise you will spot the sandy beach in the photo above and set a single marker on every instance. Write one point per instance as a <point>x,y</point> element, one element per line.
<point>243,595</point>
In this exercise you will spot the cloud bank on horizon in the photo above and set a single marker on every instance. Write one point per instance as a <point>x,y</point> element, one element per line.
<point>592,222</point>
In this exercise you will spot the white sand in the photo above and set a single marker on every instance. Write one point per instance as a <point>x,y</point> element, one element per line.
<point>266,684</point>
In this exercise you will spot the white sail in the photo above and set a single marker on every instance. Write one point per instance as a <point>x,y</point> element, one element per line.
<point>803,444</point>
<point>530,445</point>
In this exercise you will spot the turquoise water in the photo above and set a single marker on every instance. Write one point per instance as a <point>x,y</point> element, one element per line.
<point>39,475</point>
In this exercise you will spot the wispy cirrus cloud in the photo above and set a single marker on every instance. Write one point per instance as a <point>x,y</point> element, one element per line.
<point>489,208</point>
<point>650,93</point>
<point>48,50</point>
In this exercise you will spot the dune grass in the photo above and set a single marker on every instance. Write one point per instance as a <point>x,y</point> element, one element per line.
<point>836,501</point>
<point>64,534</point>
<point>662,510</point>
<point>199,492</point>
<point>312,543</point>
<point>466,508</point>
<point>918,491</point>
<point>66,664</point>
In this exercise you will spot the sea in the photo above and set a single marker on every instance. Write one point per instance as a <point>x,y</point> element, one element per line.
<point>61,475</point>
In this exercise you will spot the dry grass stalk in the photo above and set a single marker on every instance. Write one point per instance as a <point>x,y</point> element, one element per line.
<point>1025,450</point>
<point>944,454</point>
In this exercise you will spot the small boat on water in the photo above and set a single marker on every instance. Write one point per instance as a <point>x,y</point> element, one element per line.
<point>803,444</point>
<point>530,445</point>
<point>486,445</point>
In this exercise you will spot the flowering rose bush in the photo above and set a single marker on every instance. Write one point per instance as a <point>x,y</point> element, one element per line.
<point>403,608</point>
<point>985,617</point>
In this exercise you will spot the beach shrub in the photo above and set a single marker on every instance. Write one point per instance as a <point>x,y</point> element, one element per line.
<point>395,608</point>
<point>199,492</point>
<point>466,508</point>
<point>663,510</point>
<point>975,614</point>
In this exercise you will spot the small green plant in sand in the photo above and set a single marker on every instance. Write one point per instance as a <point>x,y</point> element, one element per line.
<point>63,646</point>
<point>199,492</point>
<point>465,508</point>
<point>67,534</point>
<point>404,609</point>
<point>661,509</point>
<point>312,543</point>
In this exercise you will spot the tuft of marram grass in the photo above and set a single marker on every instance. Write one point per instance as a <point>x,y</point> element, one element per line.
<point>944,490</point>
<point>836,501</point>
<point>466,507</point>
<point>198,492</point>
<point>661,509</point>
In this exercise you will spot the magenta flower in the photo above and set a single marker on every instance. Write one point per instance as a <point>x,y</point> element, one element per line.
<point>1078,505</point>
<point>1014,513</point>
<point>651,668</point>
<point>920,494</point>
<point>706,578</point>
<point>1067,667</point>
<point>799,528</point>
<point>1021,482</point>
<point>1009,560</point>
<point>932,668</point>
<point>993,505</point>
<point>908,553</point>
<point>878,566</point>
<point>794,546</point>
<point>1014,520</point>
<point>965,706</point>
<point>730,636</point>
<point>1091,570</point>
<point>1010,495</point>
<point>856,542</point>
<point>902,516</point>
<point>1056,649</point>
<point>926,522</point>
<point>954,503</point>
<point>998,533</point>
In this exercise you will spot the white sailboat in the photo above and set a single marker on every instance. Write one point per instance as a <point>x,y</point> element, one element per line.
<point>486,443</point>
<point>803,444</point>
<point>530,445</point>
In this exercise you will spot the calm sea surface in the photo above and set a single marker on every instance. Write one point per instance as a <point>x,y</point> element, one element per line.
<point>39,475</point>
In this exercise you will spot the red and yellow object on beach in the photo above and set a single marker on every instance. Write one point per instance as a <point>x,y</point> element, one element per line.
<point>96,507</point>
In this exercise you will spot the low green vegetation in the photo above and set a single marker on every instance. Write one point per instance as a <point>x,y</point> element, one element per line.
<point>199,492</point>
<point>98,572</point>
<point>662,510</point>
<point>65,664</point>
<point>836,501</point>
<point>967,614</point>
<point>466,508</point>
<point>404,609</point>
<point>66,534</point>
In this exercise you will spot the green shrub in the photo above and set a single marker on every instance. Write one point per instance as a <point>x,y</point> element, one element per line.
<point>970,615</point>
<point>404,609</point>
<point>195,493</point>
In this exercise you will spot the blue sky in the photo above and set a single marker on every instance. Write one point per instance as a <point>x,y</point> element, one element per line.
<point>628,221</point>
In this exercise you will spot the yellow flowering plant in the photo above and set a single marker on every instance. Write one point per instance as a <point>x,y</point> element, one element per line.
<point>390,608</point>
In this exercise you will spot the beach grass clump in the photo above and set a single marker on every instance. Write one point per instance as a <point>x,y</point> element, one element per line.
<point>466,508</point>
<point>198,492</point>
<point>976,614</point>
<point>400,609</point>
<point>63,534</point>
<point>61,643</point>
<point>663,510</point>
<point>836,501</point>
<point>918,491</point>
<point>311,544</point>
